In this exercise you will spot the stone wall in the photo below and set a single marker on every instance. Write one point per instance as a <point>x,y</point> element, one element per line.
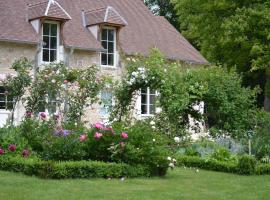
<point>9,52</point>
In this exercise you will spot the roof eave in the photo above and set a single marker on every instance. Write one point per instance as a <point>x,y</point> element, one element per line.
<point>19,41</point>
<point>85,48</point>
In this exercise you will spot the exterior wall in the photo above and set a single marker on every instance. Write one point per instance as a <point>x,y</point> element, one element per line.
<point>9,52</point>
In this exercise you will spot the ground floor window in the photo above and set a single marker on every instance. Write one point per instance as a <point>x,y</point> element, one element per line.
<point>106,98</point>
<point>6,102</point>
<point>148,98</point>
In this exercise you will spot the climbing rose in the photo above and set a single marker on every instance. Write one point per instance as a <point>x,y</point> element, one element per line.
<point>124,135</point>
<point>83,138</point>
<point>12,147</point>
<point>2,151</point>
<point>25,153</point>
<point>99,126</point>
<point>98,135</point>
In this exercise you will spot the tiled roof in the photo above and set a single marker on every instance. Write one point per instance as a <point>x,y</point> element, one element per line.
<point>144,30</point>
<point>106,15</point>
<point>50,9</point>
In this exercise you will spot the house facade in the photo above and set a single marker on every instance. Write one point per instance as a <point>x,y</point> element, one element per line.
<point>85,32</point>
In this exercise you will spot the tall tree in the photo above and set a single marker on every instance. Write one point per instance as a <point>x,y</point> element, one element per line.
<point>164,8</point>
<point>231,32</point>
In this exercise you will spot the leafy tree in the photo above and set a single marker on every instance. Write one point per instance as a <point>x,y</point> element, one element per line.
<point>231,32</point>
<point>164,8</point>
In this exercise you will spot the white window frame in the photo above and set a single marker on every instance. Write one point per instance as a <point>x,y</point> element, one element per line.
<point>6,101</point>
<point>147,103</point>
<point>107,115</point>
<point>115,48</point>
<point>57,43</point>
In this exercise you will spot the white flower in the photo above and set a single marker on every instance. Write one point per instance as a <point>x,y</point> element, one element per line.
<point>171,165</point>
<point>152,123</point>
<point>174,160</point>
<point>177,139</point>
<point>128,59</point>
<point>53,81</point>
<point>158,110</point>
<point>154,140</point>
<point>135,74</point>
<point>197,171</point>
<point>153,127</point>
<point>169,158</point>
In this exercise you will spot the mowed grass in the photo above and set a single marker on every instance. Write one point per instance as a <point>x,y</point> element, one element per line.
<point>179,184</point>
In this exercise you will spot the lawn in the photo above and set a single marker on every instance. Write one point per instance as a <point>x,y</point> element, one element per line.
<point>179,184</point>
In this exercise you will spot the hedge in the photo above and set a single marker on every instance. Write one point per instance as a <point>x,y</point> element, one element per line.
<point>74,169</point>
<point>239,168</point>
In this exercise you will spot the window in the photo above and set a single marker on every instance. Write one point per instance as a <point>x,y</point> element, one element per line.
<point>50,42</point>
<point>148,98</point>
<point>106,103</point>
<point>6,103</point>
<point>109,44</point>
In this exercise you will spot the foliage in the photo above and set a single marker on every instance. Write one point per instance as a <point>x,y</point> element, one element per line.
<point>65,170</point>
<point>229,107</point>
<point>261,138</point>
<point>234,33</point>
<point>247,165</point>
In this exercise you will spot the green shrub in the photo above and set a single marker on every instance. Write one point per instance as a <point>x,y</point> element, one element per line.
<point>262,169</point>
<point>79,169</point>
<point>247,165</point>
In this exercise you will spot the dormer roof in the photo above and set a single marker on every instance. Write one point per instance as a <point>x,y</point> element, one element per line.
<point>105,15</point>
<point>47,9</point>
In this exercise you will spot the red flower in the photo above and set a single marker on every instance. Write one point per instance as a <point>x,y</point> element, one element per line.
<point>42,116</point>
<point>2,151</point>
<point>124,135</point>
<point>25,153</point>
<point>12,147</point>
<point>28,114</point>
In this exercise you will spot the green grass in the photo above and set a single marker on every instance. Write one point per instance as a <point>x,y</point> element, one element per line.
<point>179,185</point>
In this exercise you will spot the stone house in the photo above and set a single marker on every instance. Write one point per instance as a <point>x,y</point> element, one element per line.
<point>85,32</point>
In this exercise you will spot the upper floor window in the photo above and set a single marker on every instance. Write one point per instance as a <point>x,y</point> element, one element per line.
<point>108,38</point>
<point>148,98</point>
<point>50,42</point>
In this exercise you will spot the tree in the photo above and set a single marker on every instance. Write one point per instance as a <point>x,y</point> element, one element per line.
<point>164,8</point>
<point>231,32</point>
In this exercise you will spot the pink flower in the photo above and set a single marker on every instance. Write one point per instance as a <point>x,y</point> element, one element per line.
<point>12,147</point>
<point>25,153</point>
<point>98,135</point>
<point>65,81</point>
<point>2,151</point>
<point>122,144</point>
<point>42,116</point>
<point>28,114</point>
<point>98,125</point>
<point>124,135</point>
<point>83,138</point>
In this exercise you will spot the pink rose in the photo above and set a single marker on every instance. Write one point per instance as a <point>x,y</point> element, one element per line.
<point>124,135</point>
<point>98,135</point>
<point>25,153</point>
<point>12,147</point>
<point>83,138</point>
<point>2,151</point>
<point>98,126</point>
<point>42,116</point>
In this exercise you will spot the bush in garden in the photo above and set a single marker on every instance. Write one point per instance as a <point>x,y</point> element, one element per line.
<point>247,165</point>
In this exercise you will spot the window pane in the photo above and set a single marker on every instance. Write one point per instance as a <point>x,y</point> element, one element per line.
<point>152,109</point>
<point>111,35</point>
<point>104,34</point>
<point>110,47</point>
<point>144,109</point>
<point>46,55</point>
<point>153,92</point>
<point>144,91</point>
<point>111,59</point>
<point>53,29</point>
<point>46,42</point>
<point>52,55</point>
<point>46,29</point>
<point>53,43</point>
<point>104,44</point>
<point>106,100</point>
<point>144,99</point>
<point>104,59</point>
<point>152,99</point>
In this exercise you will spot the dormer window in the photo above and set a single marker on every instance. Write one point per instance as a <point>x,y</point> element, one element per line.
<point>50,36</point>
<point>108,41</point>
